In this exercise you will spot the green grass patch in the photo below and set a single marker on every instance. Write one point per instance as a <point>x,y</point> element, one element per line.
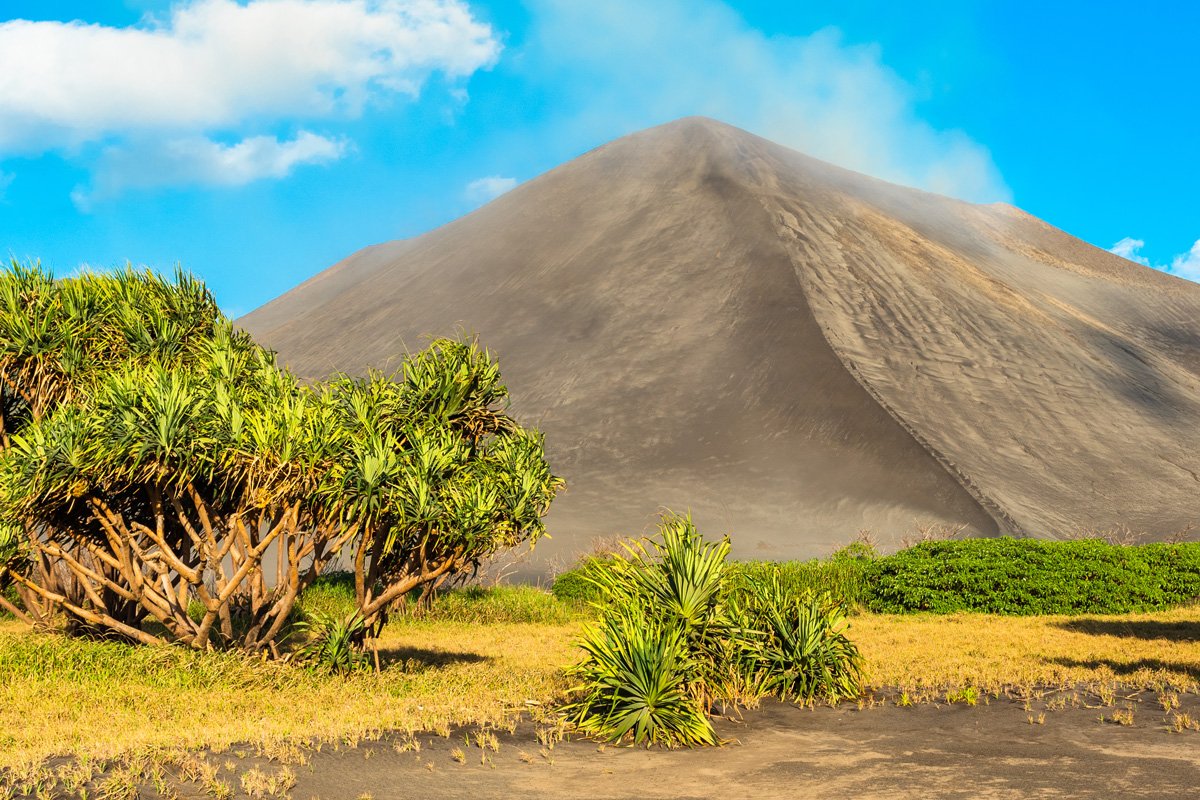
<point>504,604</point>
<point>845,576</point>
<point>846,579</point>
<point>52,658</point>
<point>333,596</point>
<point>99,699</point>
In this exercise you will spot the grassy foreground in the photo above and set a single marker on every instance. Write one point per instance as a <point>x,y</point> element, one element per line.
<point>101,700</point>
<point>62,697</point>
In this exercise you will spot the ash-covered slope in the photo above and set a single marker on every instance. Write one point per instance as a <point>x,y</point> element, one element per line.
<point>701,319</point>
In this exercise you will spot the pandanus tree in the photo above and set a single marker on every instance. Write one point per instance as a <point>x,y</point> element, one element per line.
<point>199,487</point>
<point>58,339</point>
<point>440,477</point>
<point>166,490</point>
<point>140,478</point>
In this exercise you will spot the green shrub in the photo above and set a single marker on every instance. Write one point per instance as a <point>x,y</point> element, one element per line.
<point>677,632</point>
<point>1031,576</point>
<point>637,682</point>
<point>797,647</point>
<point>132,393</point>
<point>650,662</point>
<point>578,584</point>
<point>331,644</point>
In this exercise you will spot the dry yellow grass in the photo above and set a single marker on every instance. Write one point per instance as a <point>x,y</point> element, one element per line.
<point>993,653</point>
<point>456,674</point>
<point>485,673</point>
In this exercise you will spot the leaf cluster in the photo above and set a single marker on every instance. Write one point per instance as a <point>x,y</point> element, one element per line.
<point>674,637</point>
<point>58,337</point>
<point>795,645</point>
<point>330,644</point>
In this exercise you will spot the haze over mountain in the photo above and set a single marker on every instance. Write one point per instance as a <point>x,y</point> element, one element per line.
<point>701,319</point>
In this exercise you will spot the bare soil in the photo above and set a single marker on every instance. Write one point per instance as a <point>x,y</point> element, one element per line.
<point>997,750</point>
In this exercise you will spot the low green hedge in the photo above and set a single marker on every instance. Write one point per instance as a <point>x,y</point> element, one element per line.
<point>1032,576</point>
<point>993,576</point>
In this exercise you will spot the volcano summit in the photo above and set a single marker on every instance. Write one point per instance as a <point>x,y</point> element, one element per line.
<point>701,319</point>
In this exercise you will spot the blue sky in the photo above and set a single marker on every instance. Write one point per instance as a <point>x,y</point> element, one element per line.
<point>257,142</point>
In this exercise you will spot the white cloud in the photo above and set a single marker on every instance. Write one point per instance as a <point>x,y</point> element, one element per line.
<point>1185,265</point>
<point>215,64</point>
<point>200,161</point>
<point>487,189</point>
<point>1129,248</point>
<point>156,101</point>
<point>638,63</point>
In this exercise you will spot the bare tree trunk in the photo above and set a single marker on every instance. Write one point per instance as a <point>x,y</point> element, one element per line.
<point>15,611</point>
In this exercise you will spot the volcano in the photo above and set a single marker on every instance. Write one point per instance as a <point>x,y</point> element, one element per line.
<point>702,320</point>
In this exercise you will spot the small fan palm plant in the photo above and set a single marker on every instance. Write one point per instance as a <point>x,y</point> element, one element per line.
<point>677,634</point>
<point>648,664</point>
<point>331,644</point>
<point>637,683</point>
<point>795,646</point>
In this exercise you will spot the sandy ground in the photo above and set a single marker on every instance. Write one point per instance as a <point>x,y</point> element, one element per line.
<point>987,751</point>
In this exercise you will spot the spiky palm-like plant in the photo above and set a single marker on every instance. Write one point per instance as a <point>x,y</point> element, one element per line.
<point>637,682</point>
<point>167,483</point>
<point>795,646</point>
<point>163,458</point>
<point>58,340</point>
<point>438,476</point>
<point>649,663</point>
<point>674,636</point>
<point>331,644</point>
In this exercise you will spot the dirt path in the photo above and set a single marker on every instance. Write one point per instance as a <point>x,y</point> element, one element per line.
<point>957,751</point>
